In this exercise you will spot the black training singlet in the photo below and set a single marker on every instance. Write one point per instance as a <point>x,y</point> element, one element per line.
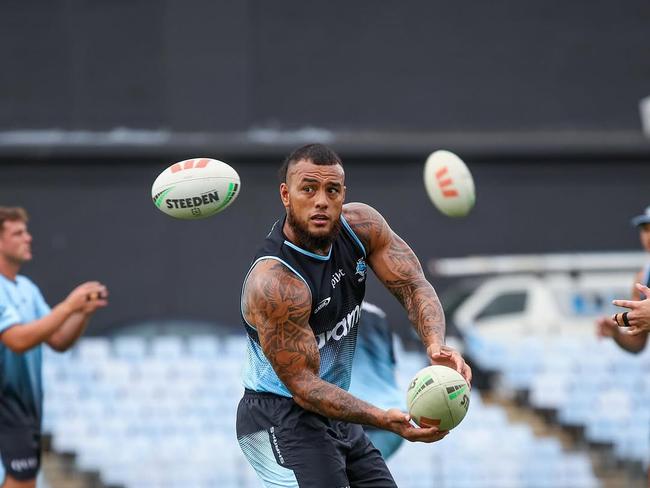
<point>338,284</point>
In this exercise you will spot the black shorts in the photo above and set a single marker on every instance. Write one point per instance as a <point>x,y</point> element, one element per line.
<point>289,446</point>
<point>20,449</point>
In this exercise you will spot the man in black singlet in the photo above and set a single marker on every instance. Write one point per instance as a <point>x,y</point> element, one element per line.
<point>301,302</point>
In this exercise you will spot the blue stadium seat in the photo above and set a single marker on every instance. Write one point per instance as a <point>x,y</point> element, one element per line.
<point>186,408</point>
<point>167,347</point>
<point>130,348</point>
<point>204,347</point>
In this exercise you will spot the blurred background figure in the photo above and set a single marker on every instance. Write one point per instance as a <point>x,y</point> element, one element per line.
<point>27,322</point>
<point>606,326</point>
<point>374,376</point>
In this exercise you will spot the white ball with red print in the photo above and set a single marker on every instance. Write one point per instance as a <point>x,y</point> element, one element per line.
<point>195,188</point>
<point>449,184</point>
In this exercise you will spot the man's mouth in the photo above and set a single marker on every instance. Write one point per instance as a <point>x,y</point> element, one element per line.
<point>320,218</point>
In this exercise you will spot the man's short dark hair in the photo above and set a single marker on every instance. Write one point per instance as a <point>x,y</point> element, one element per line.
<point>316,153</point>
<point>12,214</point>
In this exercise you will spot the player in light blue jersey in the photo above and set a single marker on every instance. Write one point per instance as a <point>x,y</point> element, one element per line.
<point>26,321</point>
<point>373,373</point>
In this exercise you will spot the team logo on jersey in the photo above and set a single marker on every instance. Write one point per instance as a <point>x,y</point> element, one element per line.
<point>361,269</point>
<point>322,305</point>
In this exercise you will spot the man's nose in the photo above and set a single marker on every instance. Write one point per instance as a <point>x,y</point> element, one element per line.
<point>321,199</point>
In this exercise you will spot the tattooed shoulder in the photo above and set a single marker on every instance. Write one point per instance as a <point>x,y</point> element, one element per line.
<point>271,291</point>
<point>278,304</point>
<point>367,223</point>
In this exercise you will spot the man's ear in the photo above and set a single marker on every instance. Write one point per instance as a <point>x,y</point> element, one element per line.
<point>284,194</point>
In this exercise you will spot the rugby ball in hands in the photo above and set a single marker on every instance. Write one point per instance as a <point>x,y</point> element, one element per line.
<point>438,396</point>
<point>195,188</point>
<point>449,183</point>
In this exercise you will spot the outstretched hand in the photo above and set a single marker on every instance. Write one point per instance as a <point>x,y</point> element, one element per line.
<point>400,423</point>
<point>447,356</point>
<point>88,297</point>
<point>638,316</point>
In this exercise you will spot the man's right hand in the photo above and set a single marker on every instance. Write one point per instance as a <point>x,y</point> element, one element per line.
<point>400,423</point>
<point>87,297</point>
<point>606,327</point>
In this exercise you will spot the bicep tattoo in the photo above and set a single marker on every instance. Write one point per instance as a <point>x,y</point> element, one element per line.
<point>278,304</point>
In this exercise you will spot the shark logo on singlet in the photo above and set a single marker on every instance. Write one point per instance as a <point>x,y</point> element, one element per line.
<point>361,270</point>
<point>341,329</point>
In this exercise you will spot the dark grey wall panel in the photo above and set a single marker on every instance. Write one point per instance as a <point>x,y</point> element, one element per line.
<point>117,63</point>
<point>206,65</point>
<point>450,66</point>
<point>365,65</point>
<point>36,79</point>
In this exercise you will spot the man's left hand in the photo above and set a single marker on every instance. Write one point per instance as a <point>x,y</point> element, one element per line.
<point>446,356</point>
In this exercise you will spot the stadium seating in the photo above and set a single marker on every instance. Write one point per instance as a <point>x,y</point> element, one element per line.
<point>160,413</point>
<point>589,383</point>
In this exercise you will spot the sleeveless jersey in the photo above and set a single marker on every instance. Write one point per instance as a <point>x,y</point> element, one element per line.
<point>337,283</point>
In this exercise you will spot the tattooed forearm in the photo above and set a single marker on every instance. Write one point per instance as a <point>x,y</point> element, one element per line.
<point>278,304</point>
<point>331,401</point>
<point>397,266</point>
<point>406,281</point>
<point>423,307</point>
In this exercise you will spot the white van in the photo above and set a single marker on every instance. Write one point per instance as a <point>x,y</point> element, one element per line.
<point>551,294</point>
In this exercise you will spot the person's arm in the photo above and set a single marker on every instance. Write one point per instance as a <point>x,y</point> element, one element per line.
<point>278,304</point>
<point>607,327</point>
<point>639,314</point>
<point>22,337</point>
<point>71,329</point>
<point>399,269</point>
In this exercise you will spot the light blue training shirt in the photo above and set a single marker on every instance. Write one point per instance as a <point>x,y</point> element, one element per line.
<point>21,392</point>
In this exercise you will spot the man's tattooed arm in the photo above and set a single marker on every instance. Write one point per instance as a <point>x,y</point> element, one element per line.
<point>398,268</point>
<point>278,304</point>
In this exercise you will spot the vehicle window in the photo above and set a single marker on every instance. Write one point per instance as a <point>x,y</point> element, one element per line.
<point>592,302</point>
<point>506,303</point>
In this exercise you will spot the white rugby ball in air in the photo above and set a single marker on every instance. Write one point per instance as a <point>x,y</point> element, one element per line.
<point>195,188</point>
<point>449,184</point>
